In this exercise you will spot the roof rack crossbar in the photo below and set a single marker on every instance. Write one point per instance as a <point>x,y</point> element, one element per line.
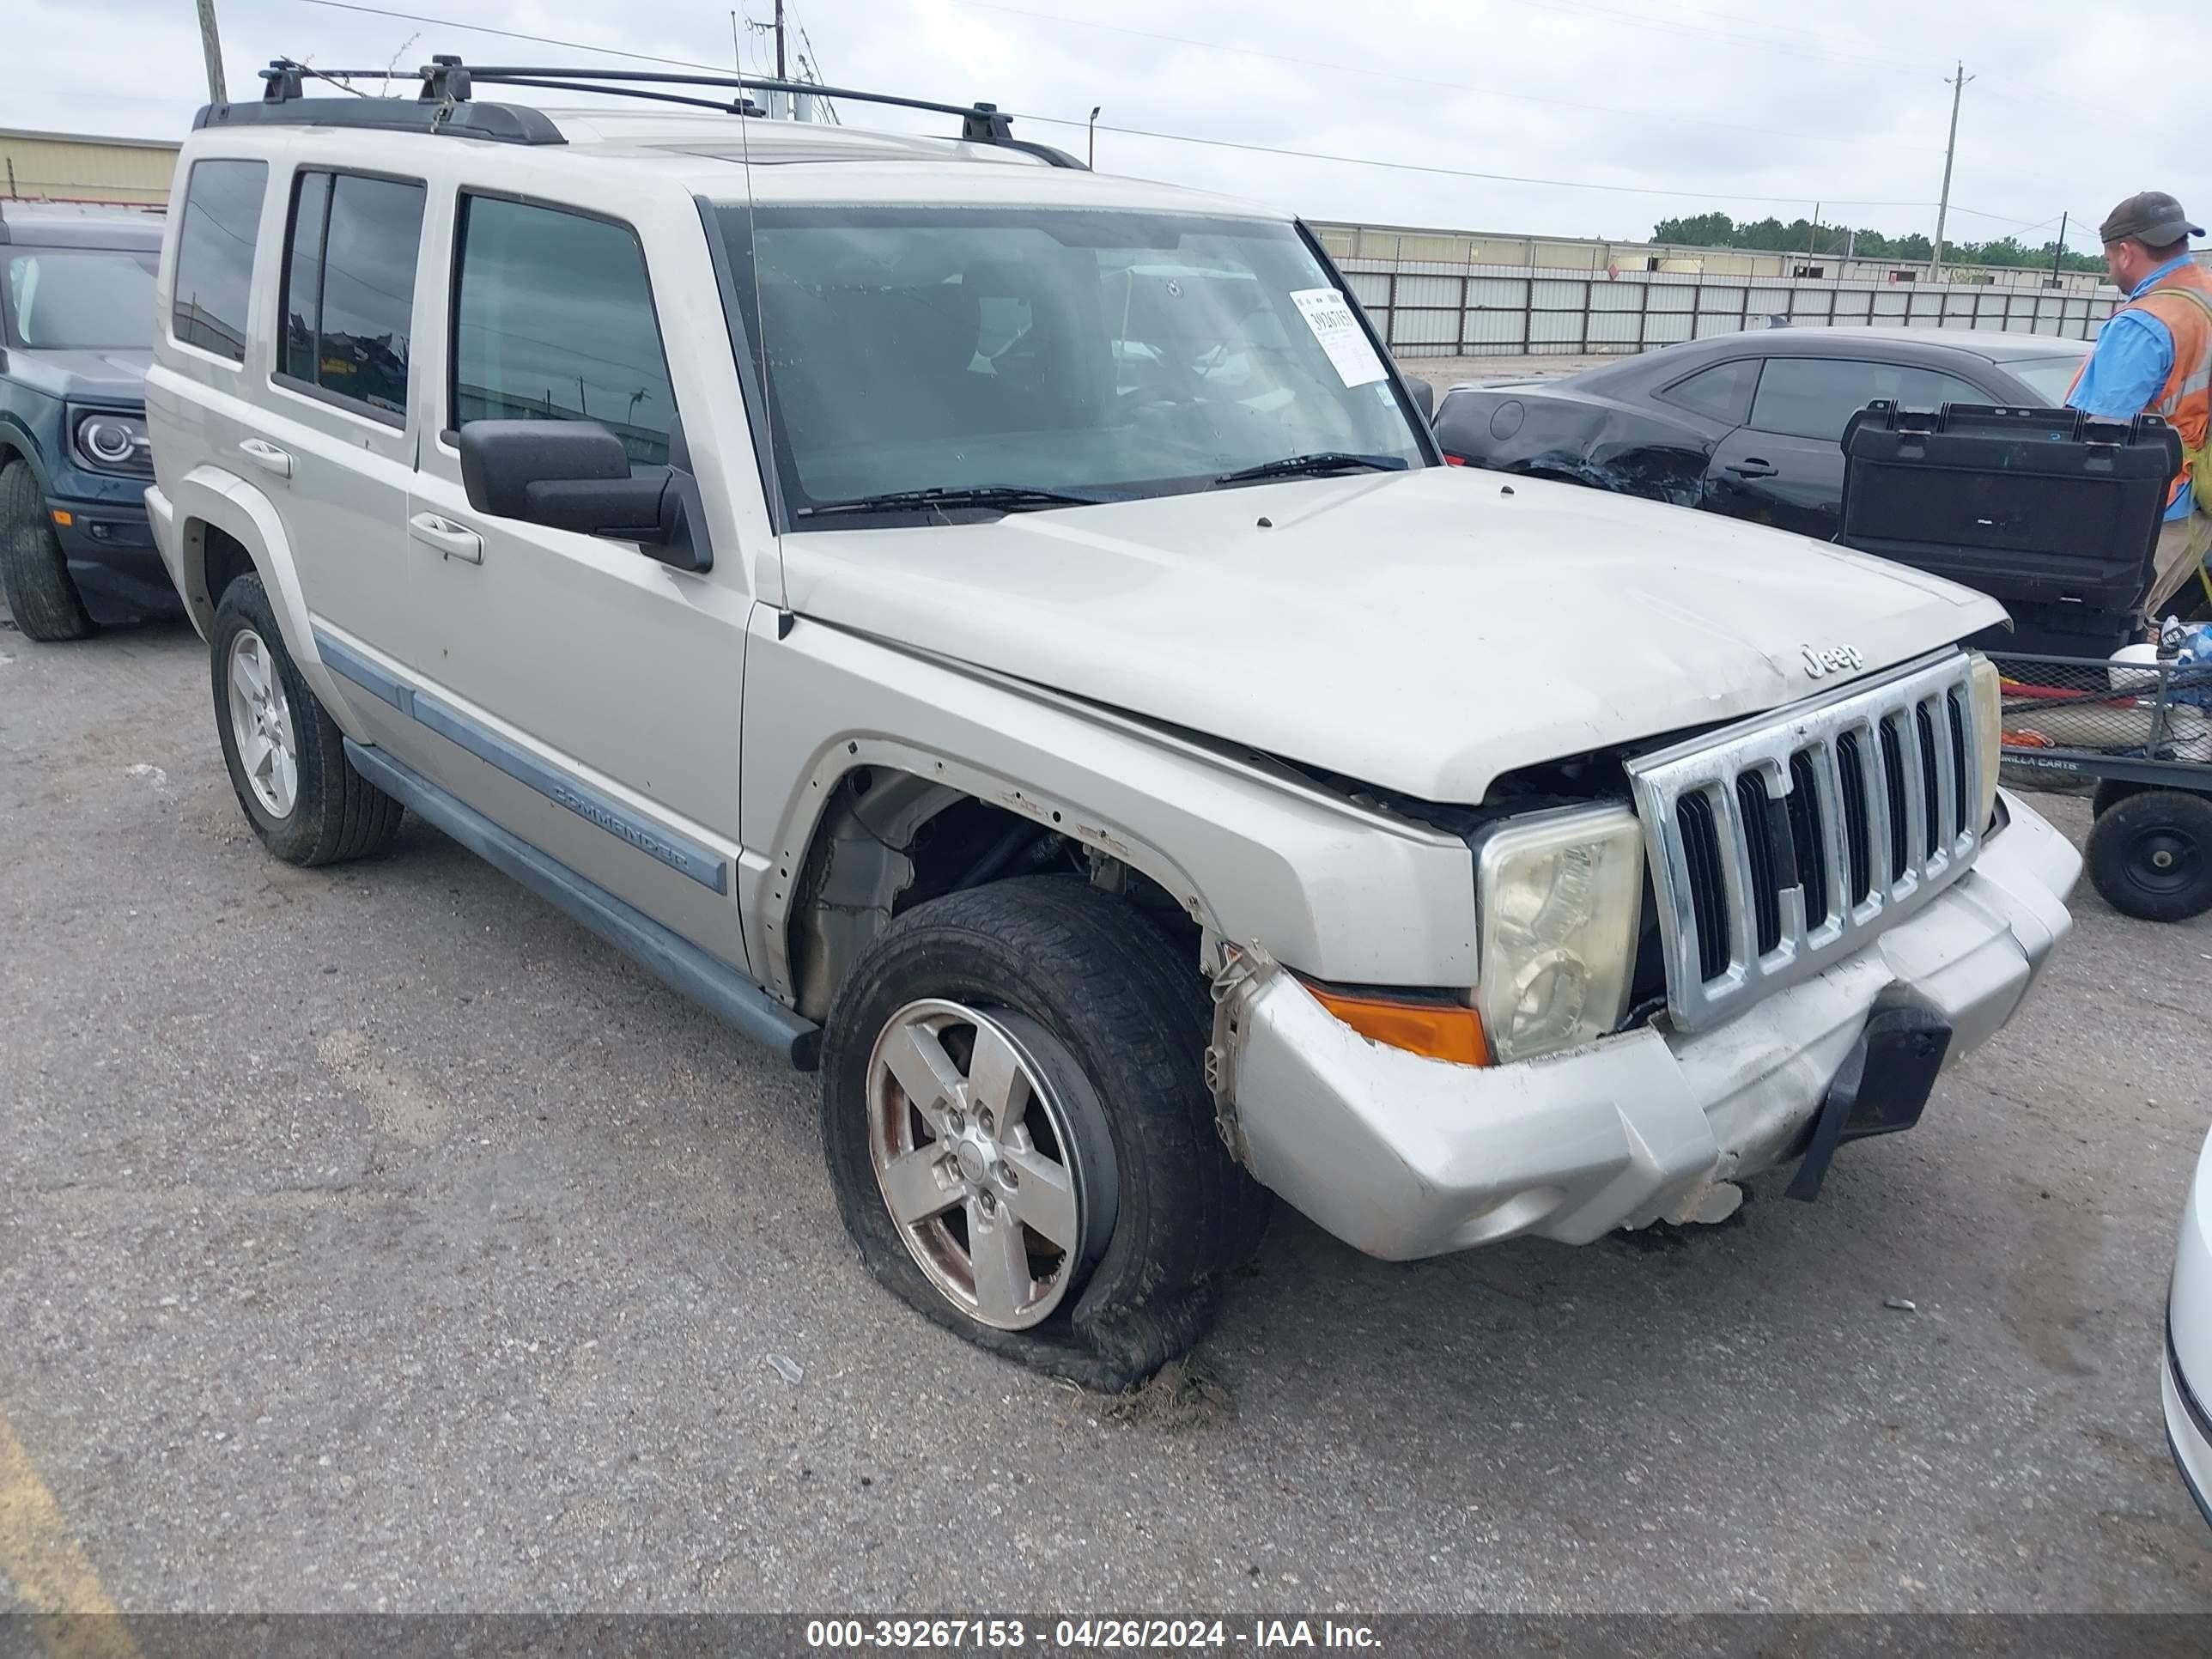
<point>729,107</point>
<point>447,82</point>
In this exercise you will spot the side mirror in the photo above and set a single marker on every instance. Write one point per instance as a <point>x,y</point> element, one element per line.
<point>1424,395</point>
<point>575,475</point>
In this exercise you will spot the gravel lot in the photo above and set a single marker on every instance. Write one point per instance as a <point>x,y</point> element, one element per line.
<point>376,1238</point>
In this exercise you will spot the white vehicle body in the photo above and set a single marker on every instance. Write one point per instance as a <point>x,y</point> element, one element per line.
<point>2185,1372</point>
<point>1298,710</point>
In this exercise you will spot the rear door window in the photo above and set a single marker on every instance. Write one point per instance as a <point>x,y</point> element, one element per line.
<point>1719,394</point>
<point>349,288</point>
<point>553,320</point>
<point>1814,397</point>
<point>2049,378</point>
<point>215,255</point>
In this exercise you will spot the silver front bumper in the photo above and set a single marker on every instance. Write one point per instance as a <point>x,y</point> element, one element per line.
<point>1403,1157</point>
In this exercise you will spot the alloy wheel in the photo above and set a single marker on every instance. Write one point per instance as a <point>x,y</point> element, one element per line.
<point>261,725</point>
<point>977,1163</point>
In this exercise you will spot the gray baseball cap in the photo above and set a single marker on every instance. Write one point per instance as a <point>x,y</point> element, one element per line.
<point>2151,218</point>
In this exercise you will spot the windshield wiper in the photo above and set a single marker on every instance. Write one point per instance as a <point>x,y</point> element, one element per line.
<point>1010,498</point>
<point>1317,464</point>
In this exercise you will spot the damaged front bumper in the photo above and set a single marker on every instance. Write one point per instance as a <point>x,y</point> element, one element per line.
<point>1401,1155</point>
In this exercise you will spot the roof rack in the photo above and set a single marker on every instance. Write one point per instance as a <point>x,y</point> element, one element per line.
<point>447,102</point>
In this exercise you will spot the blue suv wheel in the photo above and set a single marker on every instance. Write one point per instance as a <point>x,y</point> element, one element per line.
<point>33,574</point>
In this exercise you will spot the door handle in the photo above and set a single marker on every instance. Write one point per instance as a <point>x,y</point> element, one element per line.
<point>1752,467</point>
<point>266,456</point>
<point>455,541</point>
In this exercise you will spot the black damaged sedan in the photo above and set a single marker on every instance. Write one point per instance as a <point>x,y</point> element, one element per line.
<point>1748,424</point>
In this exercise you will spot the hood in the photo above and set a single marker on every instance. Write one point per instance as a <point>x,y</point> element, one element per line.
<point>103,374</point>
<point>1421,631</point>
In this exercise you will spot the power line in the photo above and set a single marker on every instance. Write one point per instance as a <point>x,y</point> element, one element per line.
<point>1426,80</point>
<point>811,61</point>
<point>1635,19</point>
<point>1466,172</point>
<point>2006,218</point>
<point>1190,138</point>
<point>512,34</point>
<point>1756,22</point>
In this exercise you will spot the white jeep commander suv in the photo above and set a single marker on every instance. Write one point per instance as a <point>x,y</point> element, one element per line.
<point>1003,636</point>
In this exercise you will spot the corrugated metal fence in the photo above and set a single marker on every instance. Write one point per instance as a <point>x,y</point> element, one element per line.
<point>1480,310</point>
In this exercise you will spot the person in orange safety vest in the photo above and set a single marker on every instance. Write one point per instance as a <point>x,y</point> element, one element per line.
<point>2155,356</point>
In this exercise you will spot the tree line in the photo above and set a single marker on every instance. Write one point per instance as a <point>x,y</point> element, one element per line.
<point>1771,236</point>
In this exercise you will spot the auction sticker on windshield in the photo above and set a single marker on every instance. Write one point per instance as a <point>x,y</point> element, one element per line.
<point>1328,314</point>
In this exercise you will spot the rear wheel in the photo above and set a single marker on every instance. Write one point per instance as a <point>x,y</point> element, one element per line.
<point>33,573</point>
<point>286,756</point>
<point>1015,1118</point>
<point>2150,855</point>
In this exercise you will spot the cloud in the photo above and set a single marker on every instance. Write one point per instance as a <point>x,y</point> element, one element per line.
<point>1716,103</point>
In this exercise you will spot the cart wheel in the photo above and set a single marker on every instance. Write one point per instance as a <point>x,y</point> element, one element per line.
<point>2111,792</point>
<point>2150,855</point>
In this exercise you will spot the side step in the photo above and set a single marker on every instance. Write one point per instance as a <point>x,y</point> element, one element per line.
<point>723,991</point>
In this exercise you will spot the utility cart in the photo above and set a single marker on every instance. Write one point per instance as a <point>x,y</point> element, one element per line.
<point>2142,733</point>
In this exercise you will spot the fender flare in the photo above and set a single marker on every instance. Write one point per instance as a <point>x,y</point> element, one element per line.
<point>212,495</point>
<point>17,443</point>
<point>950,780</point>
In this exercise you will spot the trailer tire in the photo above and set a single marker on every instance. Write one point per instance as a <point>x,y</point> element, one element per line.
<point>2150,855</point>
<point>2111,792</point>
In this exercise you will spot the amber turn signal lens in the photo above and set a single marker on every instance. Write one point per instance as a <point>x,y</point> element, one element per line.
<point>63,517</point>
<point>1438,1030</point>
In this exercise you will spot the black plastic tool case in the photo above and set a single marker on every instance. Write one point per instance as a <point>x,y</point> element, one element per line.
<point>2050,511</point>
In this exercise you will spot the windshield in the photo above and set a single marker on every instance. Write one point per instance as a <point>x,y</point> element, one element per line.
<point>64,298</point>
<point>1110,355</point>
<point>2050,377</point>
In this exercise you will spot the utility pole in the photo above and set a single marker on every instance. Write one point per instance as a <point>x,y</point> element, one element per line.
<point>782,106</point>
<point>211,49</point>
<point>2058,253</point>
<point>1813,234</point>
<point>1958,85</point>
<point>1090,159</point>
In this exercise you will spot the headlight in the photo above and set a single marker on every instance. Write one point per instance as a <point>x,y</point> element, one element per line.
<point>110,442</point>
<point>1989,736</point>
<point>1560,895</point>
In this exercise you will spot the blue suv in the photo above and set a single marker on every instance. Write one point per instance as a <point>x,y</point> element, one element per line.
<point>76,328</point>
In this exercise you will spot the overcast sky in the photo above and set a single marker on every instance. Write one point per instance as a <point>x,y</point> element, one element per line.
<point>1750,107</point>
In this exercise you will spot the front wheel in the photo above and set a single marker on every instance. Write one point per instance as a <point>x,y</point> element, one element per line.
<point>2150,855</point>
<point>34,572</point>
<point>1016,1120</point>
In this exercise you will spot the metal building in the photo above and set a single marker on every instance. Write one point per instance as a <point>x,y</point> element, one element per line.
<point>1404,243</point>
<point>74,167</point>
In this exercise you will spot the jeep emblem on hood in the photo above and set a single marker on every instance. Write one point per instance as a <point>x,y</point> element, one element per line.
<point>1834,660</point>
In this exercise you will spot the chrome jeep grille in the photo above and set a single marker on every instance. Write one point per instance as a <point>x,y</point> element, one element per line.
<point>1782,844</point>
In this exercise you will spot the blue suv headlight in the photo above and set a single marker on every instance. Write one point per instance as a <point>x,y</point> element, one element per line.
<point>110,439</point>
